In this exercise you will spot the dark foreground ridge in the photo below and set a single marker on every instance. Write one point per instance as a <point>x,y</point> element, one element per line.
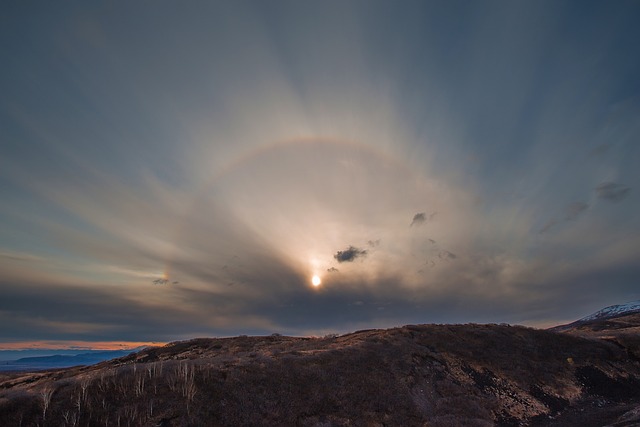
<point>417,375</point>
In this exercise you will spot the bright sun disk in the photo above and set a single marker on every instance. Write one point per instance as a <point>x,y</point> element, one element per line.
<point>315,281</point>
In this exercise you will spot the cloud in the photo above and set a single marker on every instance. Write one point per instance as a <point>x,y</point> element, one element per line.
<point>548,226</point>
<point>574,210</point>
<point>165,282</point>
<point>422,217</point>
<point>571,212</point>
<point>349,254</point>
<point>276,195</point>
<point>612,192</point>
<point>373,243</point>
<point>447,255</point>
<point>418,219</point>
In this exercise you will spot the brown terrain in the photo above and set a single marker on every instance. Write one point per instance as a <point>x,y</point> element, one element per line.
<point>584,374</point>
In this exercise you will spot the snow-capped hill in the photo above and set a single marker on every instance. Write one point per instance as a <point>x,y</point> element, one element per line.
<point>614,311</point>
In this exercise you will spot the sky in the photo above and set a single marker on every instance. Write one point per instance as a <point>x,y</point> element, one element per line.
<point>172,170</point>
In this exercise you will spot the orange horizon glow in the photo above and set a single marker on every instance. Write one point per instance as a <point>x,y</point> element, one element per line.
<point>78,345</point>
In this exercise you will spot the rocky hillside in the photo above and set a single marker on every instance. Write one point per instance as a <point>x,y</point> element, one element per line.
<point>424,375</point>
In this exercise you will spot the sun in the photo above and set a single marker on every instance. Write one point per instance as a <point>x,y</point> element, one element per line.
<point>315,281</point>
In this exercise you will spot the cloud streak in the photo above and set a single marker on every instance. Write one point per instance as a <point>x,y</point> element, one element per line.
<point>612,192</point>
<point>574,210</point>
<point>350,254</point>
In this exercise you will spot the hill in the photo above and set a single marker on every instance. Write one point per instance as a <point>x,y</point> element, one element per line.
<point>416,375</point>
<point>618,324</point>
<point>614,311</point>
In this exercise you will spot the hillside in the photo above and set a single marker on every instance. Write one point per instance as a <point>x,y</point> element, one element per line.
<point>623,324</point>
<point>435,375</point>
<point>620,328</point>
<point>615,311</point>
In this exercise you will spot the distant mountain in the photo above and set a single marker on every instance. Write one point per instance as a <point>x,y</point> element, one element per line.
<point>615,317</point>
<point>19,354</point>
<point>61,360</point>
<point>415,375</point>
<point>614,311</point>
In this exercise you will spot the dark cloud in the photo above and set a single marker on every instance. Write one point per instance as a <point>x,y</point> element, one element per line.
<point>40,311</point>
<point>422,217</point>
<point>418,219</point>
<point>333,270</point>
<point>548,226</point>
<point>574,210</point>
<point>433,242</point>
<point>612,192</point>
<point>571,212</point>
<point>164,282</point>
<point>373,243</point>
<point>584,286</point>
<point>349,254</point>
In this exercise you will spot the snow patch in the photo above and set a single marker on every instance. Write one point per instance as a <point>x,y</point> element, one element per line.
<point>614,311</point>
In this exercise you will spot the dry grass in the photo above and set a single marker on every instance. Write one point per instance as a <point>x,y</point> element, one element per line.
<point>426,375</point>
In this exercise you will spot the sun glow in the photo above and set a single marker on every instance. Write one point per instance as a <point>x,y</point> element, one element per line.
<point>315,281</point>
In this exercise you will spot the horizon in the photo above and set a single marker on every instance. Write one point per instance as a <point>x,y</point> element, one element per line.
<point>79,346</point>
<point>312,168</point>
